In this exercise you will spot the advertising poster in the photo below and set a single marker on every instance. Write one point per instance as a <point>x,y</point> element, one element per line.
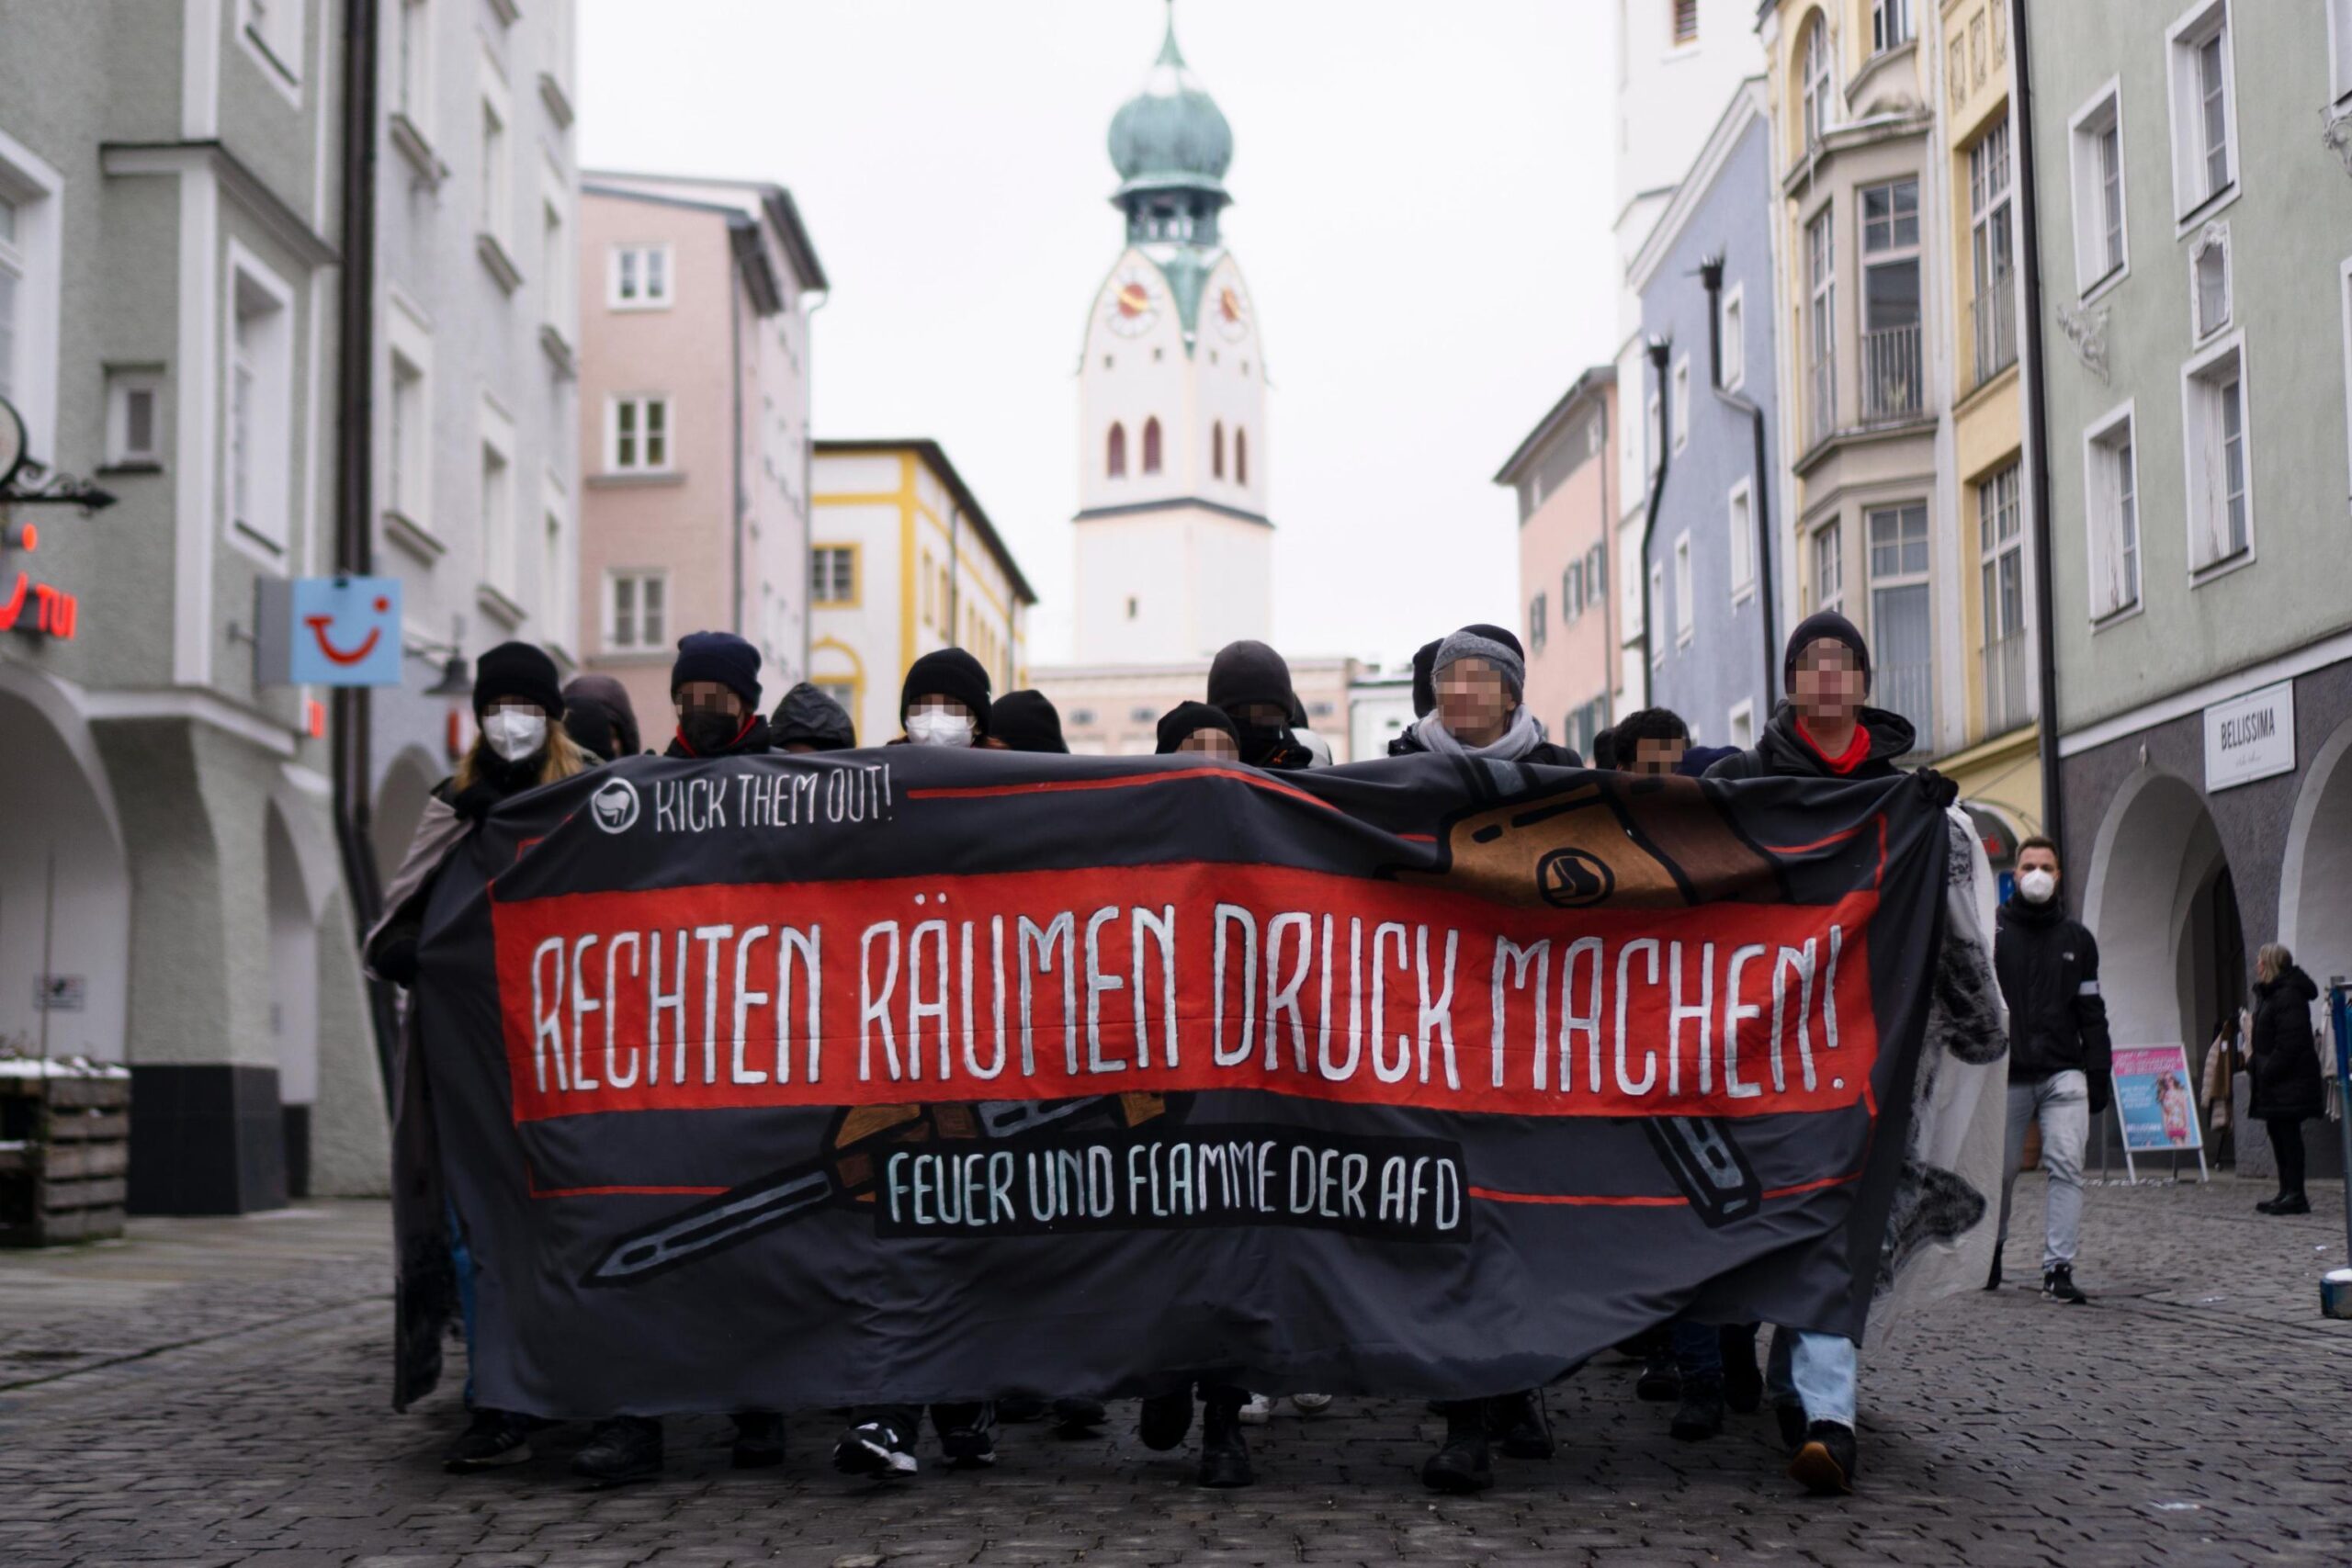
<point>2153,1099</point>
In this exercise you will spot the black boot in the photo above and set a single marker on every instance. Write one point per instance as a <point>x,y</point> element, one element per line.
<point>967,1434</point>
<point>1661,1379</point>
<point>622,1449</point>
<point>759,1440</point>
<point>1461,1463</point>
<point>1521,1423</point>
<point>1078,1417</point>
<point>2292,1203</point>
<point>495,1438</point>
<point>1826,1461</point>
<point>1743,1379</point>
<point>2058,1284</point>
<point>1165,1419</point>
<point>1993,1279</point>
<point>1701,1414</point>
<point>1225,1455</point>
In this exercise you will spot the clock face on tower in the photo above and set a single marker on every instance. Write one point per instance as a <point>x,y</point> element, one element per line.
<point>1133,303</point>
<point>1232,313</point>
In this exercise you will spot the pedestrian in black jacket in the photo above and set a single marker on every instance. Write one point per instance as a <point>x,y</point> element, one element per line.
<point>2059,1058</point>
<point>2287,1089</point>
<point>714,682</point>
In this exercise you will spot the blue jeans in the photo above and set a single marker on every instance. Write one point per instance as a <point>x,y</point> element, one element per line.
<point>461,1261</point>
<point>1816,1372</point>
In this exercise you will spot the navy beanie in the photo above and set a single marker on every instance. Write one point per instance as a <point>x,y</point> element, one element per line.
<point>948,672</point>
<point>722,657</point>
<point>1824,625</point>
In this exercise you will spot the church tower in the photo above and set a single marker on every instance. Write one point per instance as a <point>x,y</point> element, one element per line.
<point>1175,551</point>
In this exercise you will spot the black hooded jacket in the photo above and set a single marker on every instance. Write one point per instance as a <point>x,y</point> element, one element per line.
<point>2285,1061</point>
<point>2049,969</point>
<point>809,718</point>
<point>1782,753</point>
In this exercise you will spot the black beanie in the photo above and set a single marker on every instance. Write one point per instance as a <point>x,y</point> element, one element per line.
<point>1250,672</point>
<point>1425,679</point>
<point>1026,721</point>
<point>517,669</point>
<point>1182,720</point>
<point>1824,625</point>
<point>722,657</point>
<point>948,672</point>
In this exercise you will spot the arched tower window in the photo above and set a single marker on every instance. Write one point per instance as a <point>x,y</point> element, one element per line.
<point>1114,459</point>
<point>1217,450</point>
<point>1815,85</point>
<point>1240,457</point>
<point>1151,446</point>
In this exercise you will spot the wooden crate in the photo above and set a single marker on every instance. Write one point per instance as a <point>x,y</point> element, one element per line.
<point>65,1158</point>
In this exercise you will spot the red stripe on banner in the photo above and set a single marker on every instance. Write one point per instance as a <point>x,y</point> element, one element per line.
<point>1638,1200</point>
<point>1128,781</point>
<point>1174,978</point>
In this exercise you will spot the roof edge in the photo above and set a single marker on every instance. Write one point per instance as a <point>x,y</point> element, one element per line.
<point>935,454</point>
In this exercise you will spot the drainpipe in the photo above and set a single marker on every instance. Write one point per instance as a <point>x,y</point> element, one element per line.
<point>1659,348</point>
<point>349,764</point>
<point>1710,276</point>
<point>2054,799</point>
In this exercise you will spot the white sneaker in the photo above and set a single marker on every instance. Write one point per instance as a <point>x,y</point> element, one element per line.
<point>1258,1411</point>
<point>1311,1404</point>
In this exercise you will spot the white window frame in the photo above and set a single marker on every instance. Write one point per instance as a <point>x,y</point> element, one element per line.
<point>819,572</point>
<point>608,602</point>
<point>1739,507</point>
<point>495,214</point>
<point>270,31</point>
<point>1686,608</point>
<point>411,92</point>
<point>123,383</point>
<point>644,302</point>
<point>2195,377</point>
<point>1682,402</point>
<point>2101,503</point>
<point>2213,238</point>
<point>1834,529</point>
<point>1629,580</point>
<point>641,401</point>
<point>267,533</point>
<point>1539,621</point>
<point>1732,333</point>
<point>408,342</point>
<point>1888,20</point>
<point>1655,413</point>
<point>1743,712</point>
<point>2094,273</point>
<point>1817,83</point>
<point>2346,280</point>
<point>2193,201</point>
<point>1675,45</point>
<point>1657,593</point>
<point>36,261</point>
<point>559,560</point>
<point>1902,576</point>
<point>498,523</point>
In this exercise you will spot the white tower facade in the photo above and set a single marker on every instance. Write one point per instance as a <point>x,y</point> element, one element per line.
<point>1175,547</point>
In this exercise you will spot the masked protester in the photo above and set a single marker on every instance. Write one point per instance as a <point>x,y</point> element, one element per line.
<point>1027,721</point>
<point>945,701</point>
<point>598,714</point>
<point>1825,731</point>
<point>1480,674</point>
<point>808,720</point>
<point>1251,683</point>
<point>521,745</point>
<point>1198,729</point>
<point>715,684</point>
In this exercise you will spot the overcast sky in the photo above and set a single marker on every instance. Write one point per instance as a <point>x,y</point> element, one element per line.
<point>1422,206</point>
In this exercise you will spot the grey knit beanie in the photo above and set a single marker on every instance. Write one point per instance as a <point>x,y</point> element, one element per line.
<point>1473,643</point>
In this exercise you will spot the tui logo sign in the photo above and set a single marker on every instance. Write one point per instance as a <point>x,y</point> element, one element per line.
<point>331,631</point>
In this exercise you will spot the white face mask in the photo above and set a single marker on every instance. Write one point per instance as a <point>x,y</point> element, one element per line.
<point>2035,887</point>
<point>515,733</point>
<point>939,729</point>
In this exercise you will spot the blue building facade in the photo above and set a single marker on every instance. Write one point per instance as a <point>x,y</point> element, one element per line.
<point>1715,578</point>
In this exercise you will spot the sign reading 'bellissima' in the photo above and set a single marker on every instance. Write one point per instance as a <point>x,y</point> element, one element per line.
<point>893,1053</point>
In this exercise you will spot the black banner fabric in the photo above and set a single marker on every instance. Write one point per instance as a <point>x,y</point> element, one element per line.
<point>912,1074</point>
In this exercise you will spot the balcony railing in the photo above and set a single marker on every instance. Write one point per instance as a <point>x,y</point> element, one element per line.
<point>1995,310</point>
<point>1821,400</point>
<point>1893,387</point>
<point>2007,688</point>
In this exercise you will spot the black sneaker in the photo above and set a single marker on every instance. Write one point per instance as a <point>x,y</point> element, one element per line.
<point>1463,1463</point>
<point>1826,1461</point>
<point>1165,1419</point>
<point>1791,1422</point>
<point>1225,1454</point>
<point>1993,1279</point>
<point>967,1434</point>
<point>1078,1417</point>
<point>759,1440</point>
<point>2058,1284</point>
<point>1743,1379</point>
<point>1661,1379</point>
<point>495,1438</point>
<point>1521,1424</point>
<point>621,1450</point>
<point>875,1447</point>
<point>1701,1414</point>
<point>2294,1203</point>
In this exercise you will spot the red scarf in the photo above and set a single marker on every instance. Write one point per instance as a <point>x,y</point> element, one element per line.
<point>1857,751</point>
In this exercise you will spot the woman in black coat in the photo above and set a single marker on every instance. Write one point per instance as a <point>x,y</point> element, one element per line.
<point>2286,1091</point>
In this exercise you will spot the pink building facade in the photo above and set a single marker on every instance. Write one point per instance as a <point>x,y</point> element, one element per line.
<point>1562,480</point>
<point>695,452</point>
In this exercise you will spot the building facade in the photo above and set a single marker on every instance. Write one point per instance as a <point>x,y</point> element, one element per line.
<point>2195,226</point>
<point>1716,566</point>
<point>1562,480</point>
<point>1114,710</point>
<point>170,891</point>
<point>477,461</point>
<point>694,427</point>
<point>905,562</point>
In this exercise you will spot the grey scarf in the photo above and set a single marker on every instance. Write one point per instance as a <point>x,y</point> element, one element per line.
<point>1520,736</point>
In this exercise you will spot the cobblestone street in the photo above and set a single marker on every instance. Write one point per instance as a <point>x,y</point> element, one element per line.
<point>213,1391</point>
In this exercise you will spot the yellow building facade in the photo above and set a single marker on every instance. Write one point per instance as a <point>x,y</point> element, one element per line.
<point>904,561</point>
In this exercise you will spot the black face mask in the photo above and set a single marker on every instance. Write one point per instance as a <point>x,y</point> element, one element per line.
<point>708,732</point>
<point>1271,745</point>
